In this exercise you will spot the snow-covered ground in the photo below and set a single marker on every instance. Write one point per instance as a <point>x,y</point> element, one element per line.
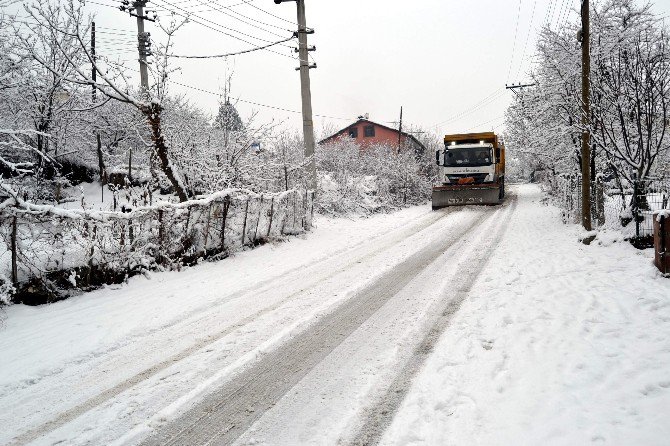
<point>540,339</point>
<point>558,343</point>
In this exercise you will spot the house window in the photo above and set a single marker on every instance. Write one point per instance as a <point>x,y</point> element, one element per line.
<point>369,131</point>
<point>353,132</point>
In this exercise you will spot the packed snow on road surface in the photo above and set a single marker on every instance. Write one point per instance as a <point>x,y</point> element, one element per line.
<point>474,325</point>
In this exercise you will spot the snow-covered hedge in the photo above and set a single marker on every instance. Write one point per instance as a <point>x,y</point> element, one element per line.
<point>57,251</point>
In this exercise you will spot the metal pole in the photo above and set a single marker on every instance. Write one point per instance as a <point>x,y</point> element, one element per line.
<point>586,110</point>
<point>307,122</point>
<point>142,40</point>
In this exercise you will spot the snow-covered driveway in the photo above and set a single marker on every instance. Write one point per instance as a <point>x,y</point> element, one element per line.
<point>400,328</point>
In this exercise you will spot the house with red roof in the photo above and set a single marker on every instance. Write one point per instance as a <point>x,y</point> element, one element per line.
<point>367,133</point>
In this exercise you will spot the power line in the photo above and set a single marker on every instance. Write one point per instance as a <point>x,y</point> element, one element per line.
<point>283,28</point>
<point>478,105</point>
<point>525,45</point>
<point>232,54</point>
<point>516,29</point>
<point>487,122</point>
<point>213,23</point>
<point>248,2</point>
<point>219,30</point>
<point>256,103</point>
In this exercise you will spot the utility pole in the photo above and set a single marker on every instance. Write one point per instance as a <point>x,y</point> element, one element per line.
<point>142,44</point>
<point>305,91</point>
<point>94,76</point>
<point>136,9</point>
<point>400,131</point>
<point>586,110</point>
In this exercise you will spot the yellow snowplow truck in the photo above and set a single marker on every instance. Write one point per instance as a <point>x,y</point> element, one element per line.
<point>471,170</point>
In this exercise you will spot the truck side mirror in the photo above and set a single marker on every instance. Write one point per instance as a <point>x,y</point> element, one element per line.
<point>437,157</point>
<point>497,154</point>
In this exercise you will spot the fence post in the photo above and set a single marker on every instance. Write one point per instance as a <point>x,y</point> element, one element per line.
<point>15,269</point>
<point>295,209</point>
<point>185,239</point>
<point>161,234</point>
<point>209,218</point>
<point>258,222</point>
<point>244,225</point>
<point>272,209</point>
<point>311,212</point>
<point>226,204</point>
<point>635,207</point>
<point>285,213</point>
<point>304,211</point>
<point>600,201</point>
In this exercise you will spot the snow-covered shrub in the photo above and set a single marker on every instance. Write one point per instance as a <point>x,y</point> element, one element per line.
<point>364,181</point>
<point>6,290</point>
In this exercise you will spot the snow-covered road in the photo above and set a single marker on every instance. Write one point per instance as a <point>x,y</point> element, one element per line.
<point>362,332</point>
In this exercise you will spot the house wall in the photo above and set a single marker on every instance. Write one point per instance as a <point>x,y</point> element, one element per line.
<point>382,136</point>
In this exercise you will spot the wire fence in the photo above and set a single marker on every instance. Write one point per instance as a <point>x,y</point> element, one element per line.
<point>615,206</point>
<point>49,252</point>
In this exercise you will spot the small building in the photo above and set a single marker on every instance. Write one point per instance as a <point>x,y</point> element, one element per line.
<point>367,133</point>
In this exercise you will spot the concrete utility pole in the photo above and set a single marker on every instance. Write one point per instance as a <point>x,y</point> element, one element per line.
<point>305,91</point>
<point>142,44</point>
<point>586,110</point>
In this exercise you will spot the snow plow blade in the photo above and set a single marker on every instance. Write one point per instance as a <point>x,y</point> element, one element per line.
<point>444,196</point>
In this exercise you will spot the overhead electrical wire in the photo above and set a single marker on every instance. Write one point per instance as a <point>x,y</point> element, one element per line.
<point>487,122</point>
<point>212,22</point>
<point>248,3</point>
<point>229,8</point>
<point>516,30</point>
<point>525,45</point>
<point>250,50</point>
<point>256,103</point>
<point>189,17</point>
<point>475,107</point>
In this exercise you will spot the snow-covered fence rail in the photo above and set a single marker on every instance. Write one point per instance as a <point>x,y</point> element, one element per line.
<point>48,251</point>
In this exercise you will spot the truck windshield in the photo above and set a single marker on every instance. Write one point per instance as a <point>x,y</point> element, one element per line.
<point>477,156</point>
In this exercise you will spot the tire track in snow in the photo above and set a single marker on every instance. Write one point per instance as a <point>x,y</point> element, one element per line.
<point>377,417</point>
<point>353,255</point>
<point>222,416</point>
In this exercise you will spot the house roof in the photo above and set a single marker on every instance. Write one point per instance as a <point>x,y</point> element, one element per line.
<point>361,121</point>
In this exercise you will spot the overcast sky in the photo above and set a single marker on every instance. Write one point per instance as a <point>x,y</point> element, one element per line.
<point>445,61</point>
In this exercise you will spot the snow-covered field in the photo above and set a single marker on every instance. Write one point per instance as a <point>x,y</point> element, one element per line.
<point>541,340</point>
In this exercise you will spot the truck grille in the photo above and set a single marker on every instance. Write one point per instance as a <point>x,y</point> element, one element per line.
<point>478,177</point>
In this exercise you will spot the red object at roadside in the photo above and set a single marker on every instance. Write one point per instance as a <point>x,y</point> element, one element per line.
<point>662,241</point>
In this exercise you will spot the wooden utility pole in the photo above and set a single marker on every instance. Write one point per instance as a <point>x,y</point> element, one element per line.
<point>306,94</point>
<point>98,141</point>
<point>586,110</point>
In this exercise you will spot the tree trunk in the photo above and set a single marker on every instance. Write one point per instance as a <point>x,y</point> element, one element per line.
<point>153,114</point>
